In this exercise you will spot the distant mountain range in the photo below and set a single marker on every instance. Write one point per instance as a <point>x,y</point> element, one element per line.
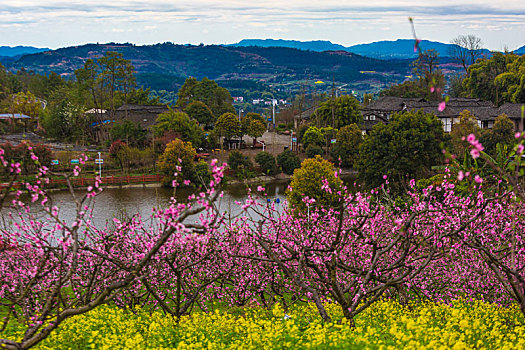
<point>398,49</point>
<point>8,51</point>
<point>317,45</point>
<point>160,65</point>
<point>520,51</point>
<point>279,63</point>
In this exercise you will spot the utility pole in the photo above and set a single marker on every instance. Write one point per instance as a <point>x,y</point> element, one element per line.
<point>99,165</point>
<point>332,103</point>
<point>240,111</point>
<point>273,112</point>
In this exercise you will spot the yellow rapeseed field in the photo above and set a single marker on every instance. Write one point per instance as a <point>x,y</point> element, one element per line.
<point>385,325</point>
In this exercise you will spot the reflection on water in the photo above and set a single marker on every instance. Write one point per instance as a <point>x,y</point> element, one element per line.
<point>123,203</point>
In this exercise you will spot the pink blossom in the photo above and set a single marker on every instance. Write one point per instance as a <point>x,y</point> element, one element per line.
<point>442,105</point>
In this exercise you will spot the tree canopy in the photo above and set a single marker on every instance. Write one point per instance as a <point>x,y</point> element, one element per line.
<point>338,112</point>
<point>467,125</point>
<point>501,133</point>
<point>129,132</point>
<point>217,98</point>
<point>177,154</point>
<point>179,122</point>
<point>497,79</point>
<point>347,145</point>
<point>307,181</point>
<point>200,112</point>
<point>405,148</point>
<point>228,126</point>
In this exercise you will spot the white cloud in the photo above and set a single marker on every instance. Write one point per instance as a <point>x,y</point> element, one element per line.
<point>230,20</point>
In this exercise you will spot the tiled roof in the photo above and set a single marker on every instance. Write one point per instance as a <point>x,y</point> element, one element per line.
<point>512,110</point>
<point>483,110</point>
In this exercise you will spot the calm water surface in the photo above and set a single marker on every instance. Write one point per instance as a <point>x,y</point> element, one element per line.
<point>123,203</point>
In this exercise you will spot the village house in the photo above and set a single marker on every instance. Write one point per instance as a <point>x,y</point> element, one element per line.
<point>485,112</point>
<point>143,115</point>
<point>102,121</point>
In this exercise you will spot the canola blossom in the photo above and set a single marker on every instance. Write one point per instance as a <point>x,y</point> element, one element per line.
<point>385,325</point>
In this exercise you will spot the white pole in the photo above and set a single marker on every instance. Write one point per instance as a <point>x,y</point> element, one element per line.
<point>308,206</point>
<point>273,112</point>
<point>99,166</point>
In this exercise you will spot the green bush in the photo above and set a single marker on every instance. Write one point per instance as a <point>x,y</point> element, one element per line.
<point>237,161</point>
<point>288,161</point>
<point>169,162</point>
<point>203,174</point>
<point>313,136</point>
<point>307,181</point>
<point>346,148</point>
<point>314,150</point>
<point>300,133</point>
<point>267,162</point>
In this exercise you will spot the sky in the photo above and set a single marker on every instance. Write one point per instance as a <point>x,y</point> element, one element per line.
<point>57,23</point>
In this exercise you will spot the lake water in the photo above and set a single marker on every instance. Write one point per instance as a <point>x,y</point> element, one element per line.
<point>125,202</point>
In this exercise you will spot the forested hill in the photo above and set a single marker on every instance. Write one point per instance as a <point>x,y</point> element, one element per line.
<point>219,62</point>
<point>9,51</point>
<point>398,49</point>
<point>315,45</point>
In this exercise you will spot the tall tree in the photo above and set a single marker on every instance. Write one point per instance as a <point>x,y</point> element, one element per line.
<point>466,49</point>
<point>217,98</point>
<point>338,112</point>
<point>228,126</point>
<point>180,123</point>
<point>106,78</point>
<point>481,80</point>
<point>256,129</point>
<point>200,112</point>
<point>116,75</point>
<point>405,148</point>
<point>347,145</point>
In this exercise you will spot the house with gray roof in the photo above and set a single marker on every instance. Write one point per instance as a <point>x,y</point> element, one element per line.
<point>485,112</point>
<point>143,115</point>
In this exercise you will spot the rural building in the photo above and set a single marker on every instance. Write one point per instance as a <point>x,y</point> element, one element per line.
<point>485,112</point>
<point>140,114</point>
